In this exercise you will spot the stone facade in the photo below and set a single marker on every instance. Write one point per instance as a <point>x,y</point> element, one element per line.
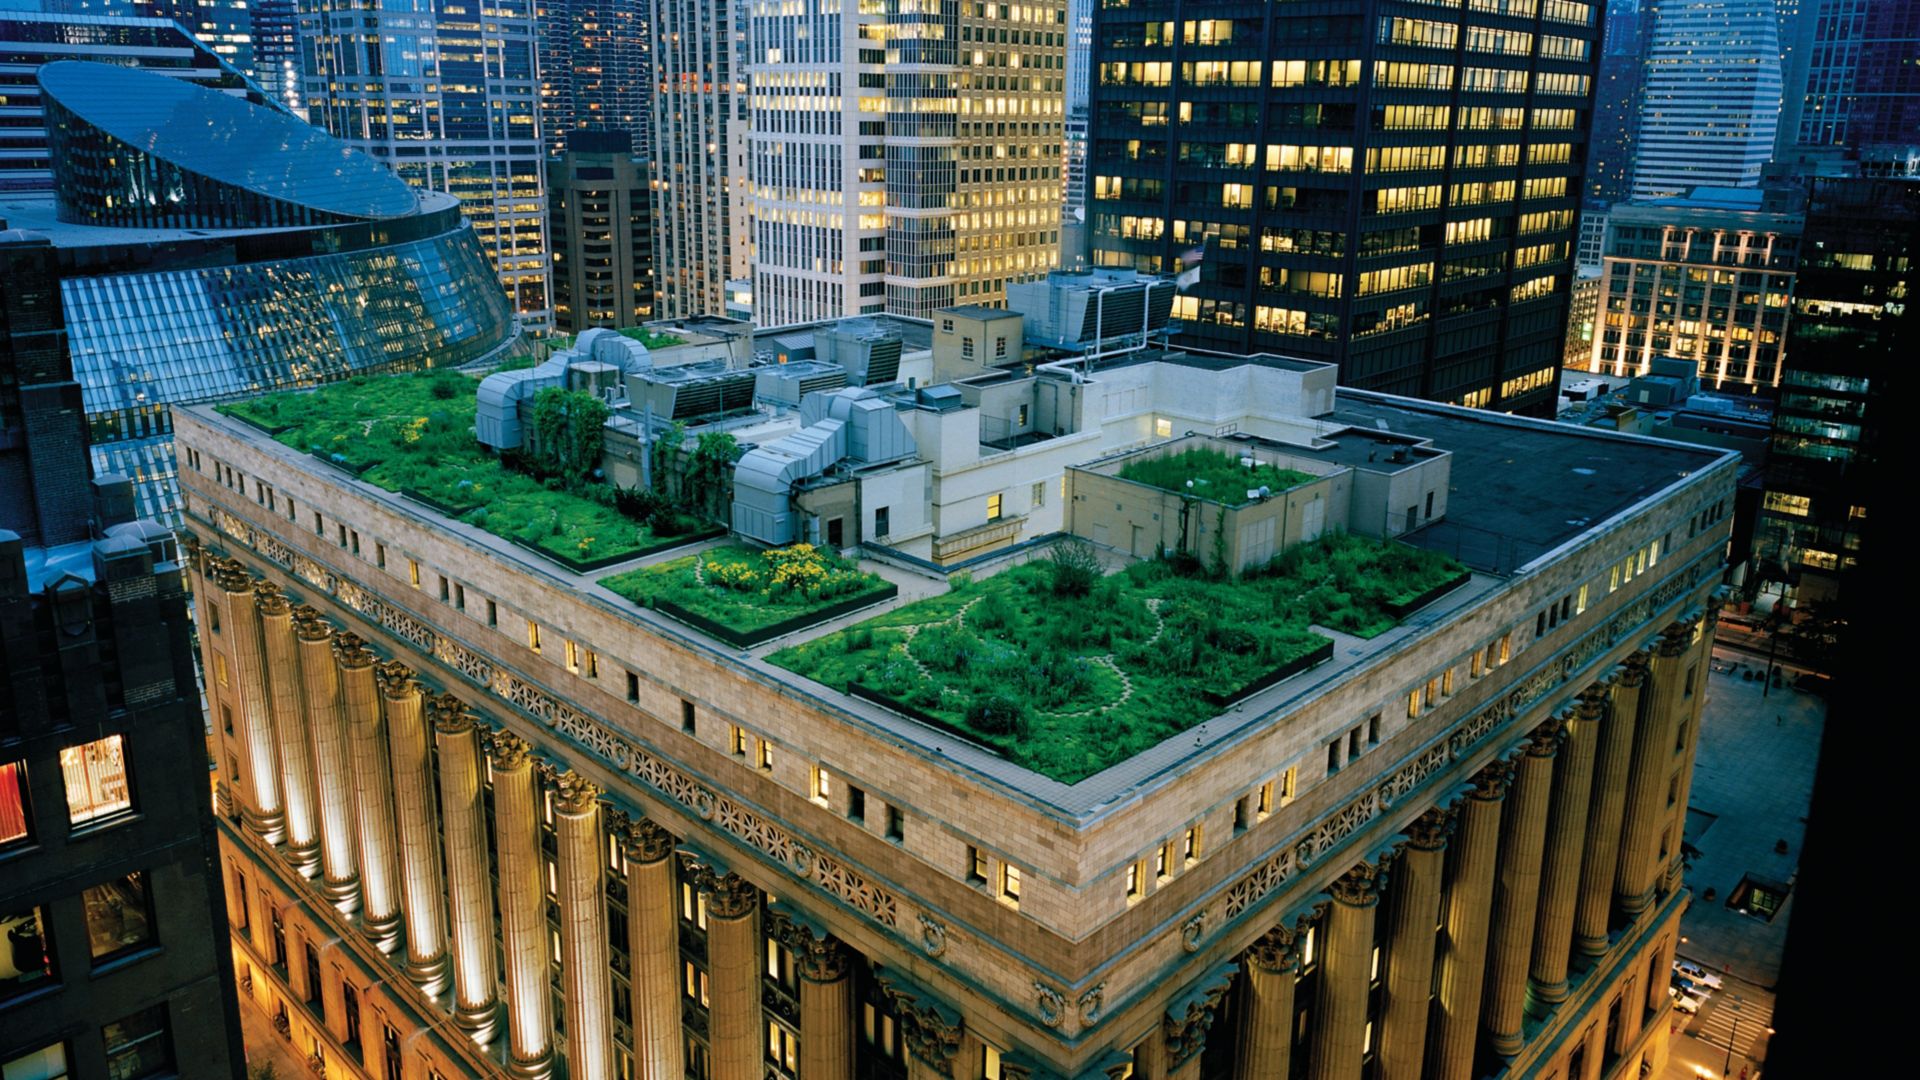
<point>824,933</point>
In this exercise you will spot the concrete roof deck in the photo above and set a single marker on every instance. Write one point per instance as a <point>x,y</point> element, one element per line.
<point>1575,479</point>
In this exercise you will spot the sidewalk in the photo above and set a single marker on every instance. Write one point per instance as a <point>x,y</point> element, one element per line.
<point>265,1046</point>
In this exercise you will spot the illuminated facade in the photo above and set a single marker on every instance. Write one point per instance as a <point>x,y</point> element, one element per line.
<point>1386,186</point>
<point>595,70</point>
<point>903,160</point>
<point>484,817</point>
<point>447,96</point>
<point>602,229</point>
<point>1710,104</point>
<point>1708,279</point>
<point>699,158</point>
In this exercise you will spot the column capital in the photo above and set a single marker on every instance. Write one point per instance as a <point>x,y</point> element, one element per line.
<point>733,896</point>
<point>819,956</point>
<point>450,716</point>
<point>268,598</point>
<point>1593,700</point>
<point>1276,950</point>
<point>1490,783</point>
<point>509,752</point>
<point>576,795</point>
<point>395,679</point>
<point>230,574</point>
<point>1429,831</point>
<point>350,651</point>
<point>1191,1015</point>
<point>309,624</point>
<point>1544,741</point>
<point>1676,637</point>
<point>1633,670</point>
<point>931,1029</point>
<point>1359,886</point>
<point>647,841</point>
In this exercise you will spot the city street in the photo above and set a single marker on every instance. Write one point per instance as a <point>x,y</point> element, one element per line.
<point>1753,780</point>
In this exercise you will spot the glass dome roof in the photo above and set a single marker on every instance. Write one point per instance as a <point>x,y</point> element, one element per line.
<point>228,140</point>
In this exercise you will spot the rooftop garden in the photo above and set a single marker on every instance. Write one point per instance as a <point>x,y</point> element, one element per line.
<point>650,338</point>
<point>1210,474</point>
<point>413,434</point>
<point>745,596</point>
<point>1064,671</point>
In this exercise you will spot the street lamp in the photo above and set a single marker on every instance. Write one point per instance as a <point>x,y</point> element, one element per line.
<point>1727,1068</point>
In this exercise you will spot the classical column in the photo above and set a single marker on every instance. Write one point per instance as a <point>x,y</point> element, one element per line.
<point>261,810</point>
<point>523,907</point>
<point>423,890</point>
<point>1612,763</point>
<point>332,762</point>
<point>1269,968</point>
<point>1463,950</point>
<point>1566,840</point>
<point>463,818</point>
<point>1346,968</point>
<point>372,791</point>
<point>284,693</point>
<point>1516,893</point>
<point>739,1033</point>
<point>1415,899</point>
<point>653,944</point>
<point>826,1005</point>
<point>585,960</point>
<point>1647,785</point>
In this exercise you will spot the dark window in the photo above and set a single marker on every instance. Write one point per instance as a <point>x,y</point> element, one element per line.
<point>896,824</point>
<point>28,964</point>
<point>314,984</point>
<point>856,803</point>
<point>836,532</point>
<point>1240,814</point>
<point>139,1045</point>
<point>686,716</point>
<point>633,681</point>
<point>240,918</point>
<point>1429,504</point>
<point>493,614</point>
<point>1540,624</point>
<point>390,1045</point>
<point>1333,757</point>
<point>226,717</point>
<point>880,521</point>
<point>1373,729</point>
<point>119,917</point>
<point>350,1001</point>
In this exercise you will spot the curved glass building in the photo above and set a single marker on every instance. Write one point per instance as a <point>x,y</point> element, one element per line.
<point>210,248</point>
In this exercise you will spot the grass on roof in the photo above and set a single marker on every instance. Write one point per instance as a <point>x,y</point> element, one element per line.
<point>650,338</point>
<point>1070,685</point>
<point>414,433</point>
<point>1214,474</point>
<point>745,589</point>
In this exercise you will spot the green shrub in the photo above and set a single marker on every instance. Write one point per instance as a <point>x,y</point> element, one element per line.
<point>1075,567</point>
<point>997,714</point>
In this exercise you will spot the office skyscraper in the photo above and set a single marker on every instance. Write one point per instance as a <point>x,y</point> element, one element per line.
<point>1394,191</point>
<point>903,160</point>
<point>1616,102</point>
<point>276,51</point>
<point>447,97</point>
<point>699,154</point>
<point>1711,106</point>
<point>1856,85</point>
<point>601,225</point>
<point>595,70</point>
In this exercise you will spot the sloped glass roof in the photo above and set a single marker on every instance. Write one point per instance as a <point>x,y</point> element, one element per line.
<point>228,140</point>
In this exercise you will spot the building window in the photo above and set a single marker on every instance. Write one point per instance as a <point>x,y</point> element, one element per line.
<point>1353,744</point>
<point>1506,648</point>
<point>783,1047</point>
<point>413,572</point>
<point>1580,601</point>
<point>589,663</point>
<point>882,521</point>
<point>48,1061</point>
<point>1190,845</point>
<point>1163,862</point>
<point>694,983</point>
<point>14,826</point>
<point>686,716</point>
<point>446,590</point>
<point>1413,704</point>
<point>96,778</point>
<point>1040,494</point>
<point>28,964</point>
<point>1135,881</point>
<point>856,803</point>
<point>976,865</point>
<point>633,688</point>
<point>764,754</point>
<point>459,596</point>
<point>1010,884</point>
<point>1692,672</point>
<point>738,738</point>
<point>213,617</point>
<point>999,347</point>
<point>319,524</point>
<point>993,507</point>
<point>572,652</point>
<point>881,1031</point>
<point>693,905</point>
<point>493,614</point>
<point>1286,786</point>
<point>1241,817</point>
<point>896,825</point>
<point>822,786</point>
<point>1163,429</point>
<point>533,636</point>
<point>1373,722</point>
<point>139,1045</point>
<point>1265,803</point>
<point>119,917</point>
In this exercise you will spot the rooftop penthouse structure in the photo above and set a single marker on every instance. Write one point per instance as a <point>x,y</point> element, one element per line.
<point>1129,796</point>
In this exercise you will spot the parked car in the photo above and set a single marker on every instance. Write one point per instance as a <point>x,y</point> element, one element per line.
<point>1685,1003</point>
<point>1691,988</point>
<point>1696,974</point>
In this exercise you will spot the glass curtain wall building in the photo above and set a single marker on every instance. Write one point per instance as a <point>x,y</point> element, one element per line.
<point>904,158</point>
<point>235,250</point>
<point>595,70</point>
<point>1391,186</point>
<point>1711,104</point>
<point>699,154</point>
<point>447,95</point>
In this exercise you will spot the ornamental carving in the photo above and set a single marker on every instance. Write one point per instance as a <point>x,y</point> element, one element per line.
<point>450,716</point>
<point>1336,828</point>
<point>648,841</point>
<point>1192,930</point>
<point>1593,700</point>
<point>1275,951</point>
<point>1091,1003</point>
<point>1544,741</point>
<point>268,598</point>
<point>1675,638</point>
<point>932,1030</point>
<point>731,896</point>
<point>1359,886</point>
<point>309,624</point>
<point>1633,670</point>
<point>230,575</point>
<point>1187,1020</point>
<point>933,937</point>
<point>1265,878</point>
<point>856,891</point>
<point>395,679</point>
<point>1429,831</point>
<point>1051,1007</point>
<point>576,796</point>
<point>350,652</point>
<point>1490,783</point>
<point>508,751</point>
<point>1413,774</point>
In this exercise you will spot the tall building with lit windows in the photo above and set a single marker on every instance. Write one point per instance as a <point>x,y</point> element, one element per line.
<point>904,158</point>
<point>595,70</point>
<point>1710,105</point>
<point>1393,186</point>
<point>699,176</point>
<point>447,97</point>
